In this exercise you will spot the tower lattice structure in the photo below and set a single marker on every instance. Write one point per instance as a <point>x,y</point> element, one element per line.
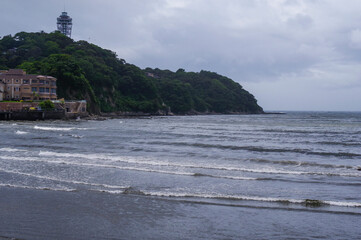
<point>65,24</point>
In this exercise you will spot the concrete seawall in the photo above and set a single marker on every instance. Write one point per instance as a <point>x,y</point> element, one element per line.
<point>32,115</point>
<point>32,111</point>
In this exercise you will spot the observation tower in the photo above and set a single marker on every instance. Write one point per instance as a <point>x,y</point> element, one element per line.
<point>65,24</point>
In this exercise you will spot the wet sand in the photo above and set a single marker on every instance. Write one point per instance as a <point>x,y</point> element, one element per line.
<point>41,214</point>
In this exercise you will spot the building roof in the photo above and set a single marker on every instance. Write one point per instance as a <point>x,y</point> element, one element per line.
<point>21,74</point>
<point>15,72</point>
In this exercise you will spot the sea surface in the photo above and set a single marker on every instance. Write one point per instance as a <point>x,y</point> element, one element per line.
<point>288,176</point>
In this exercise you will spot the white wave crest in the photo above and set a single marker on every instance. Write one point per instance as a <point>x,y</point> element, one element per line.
<point>66,129</point>
<point>34,159</point>
<point>53,128</point>
<point>11,150</point>
<point>150,162</point>
<point>21,132</point>
<point>343,204</point>
<point>248,198</point>
<point>62,180</point>
<point>76,136</point>
<point>37,188</point>
<point>70,155</point>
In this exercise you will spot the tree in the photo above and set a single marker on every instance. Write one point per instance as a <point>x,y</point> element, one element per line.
<point>47,105</point>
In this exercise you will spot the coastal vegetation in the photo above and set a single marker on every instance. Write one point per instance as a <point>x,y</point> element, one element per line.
<point>110,84</point>
<point>47,105</point>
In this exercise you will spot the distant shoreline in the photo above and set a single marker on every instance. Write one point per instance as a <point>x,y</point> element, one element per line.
<point>115,115</point>
<point>105,116</point>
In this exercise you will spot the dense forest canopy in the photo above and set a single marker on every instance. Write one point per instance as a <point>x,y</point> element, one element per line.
<point>109,84</point>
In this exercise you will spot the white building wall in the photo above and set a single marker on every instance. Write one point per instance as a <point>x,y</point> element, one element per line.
<point>2,85</point>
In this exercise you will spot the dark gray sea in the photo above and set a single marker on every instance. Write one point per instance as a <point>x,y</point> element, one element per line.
<point>291,176</point>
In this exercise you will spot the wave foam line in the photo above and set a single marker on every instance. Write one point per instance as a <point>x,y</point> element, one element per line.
<point>259,149</point>
<point>306,202</point>
<point>20,132</point>
<point>157,163</point>
<point>113,166</point>
<point>225,177</point>
<point>62,180</point>
<point>343,204</point>
<point>297,163</point>
<point>72,155</point>
<point>11,150</point>
<point>96,165</point>
<point>57,128</point>
<point>53,128</point>
<point>37,188</point>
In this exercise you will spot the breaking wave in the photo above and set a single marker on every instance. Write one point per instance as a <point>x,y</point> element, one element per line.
<point>297,163</point>
<point>53,128</point>
<point>211,167</point>
<point>62,180</point>
<point>57,128</point>
<point>305,202</point>
<point>259,149</point>
<point>11,150</point>
<point>21,132</point>
<point>37,188</point>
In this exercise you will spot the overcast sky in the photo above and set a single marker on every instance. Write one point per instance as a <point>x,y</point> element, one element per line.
<point>290,54</point>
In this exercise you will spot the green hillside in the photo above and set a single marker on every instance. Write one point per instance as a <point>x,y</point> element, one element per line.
<point>109,84</point>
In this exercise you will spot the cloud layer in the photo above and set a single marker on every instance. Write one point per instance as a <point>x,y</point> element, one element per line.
<point>292,54</point>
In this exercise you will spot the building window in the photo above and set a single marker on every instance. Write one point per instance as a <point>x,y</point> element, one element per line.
<point>8,81</point>
<point>47,90</point>
<point>46,82</point>
<point>17,80</point>
<point>53,90</point>
<point>34,89</point>
<point>34,81</point>
<point>25,81</point>
<point>9,88</point>
<point>41,89</point>
<point>41,81</point>
<point>17,89</point>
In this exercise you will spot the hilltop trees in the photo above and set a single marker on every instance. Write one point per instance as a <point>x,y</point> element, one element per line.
<point>108,83</point>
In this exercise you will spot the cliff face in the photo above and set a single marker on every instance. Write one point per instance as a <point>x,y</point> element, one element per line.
<point>109,84</point>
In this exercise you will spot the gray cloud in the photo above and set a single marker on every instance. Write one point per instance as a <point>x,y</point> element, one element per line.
<point>299,51</point>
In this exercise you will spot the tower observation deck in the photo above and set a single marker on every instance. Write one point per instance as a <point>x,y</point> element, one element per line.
<point>65,24</point>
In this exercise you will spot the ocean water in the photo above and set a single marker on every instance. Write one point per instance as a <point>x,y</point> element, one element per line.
<point>291,176</point>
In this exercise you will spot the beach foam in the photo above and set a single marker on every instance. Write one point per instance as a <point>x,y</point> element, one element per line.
<point>21,132</point>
